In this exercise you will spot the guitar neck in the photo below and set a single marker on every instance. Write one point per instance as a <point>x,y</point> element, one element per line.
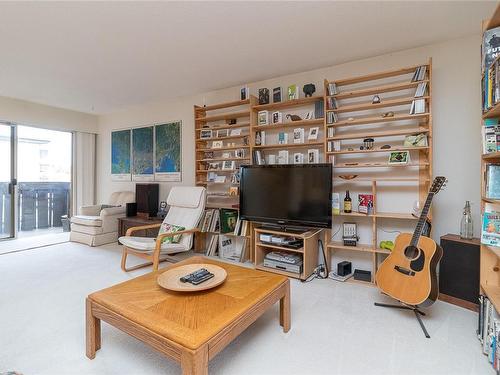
<point>421,221</point>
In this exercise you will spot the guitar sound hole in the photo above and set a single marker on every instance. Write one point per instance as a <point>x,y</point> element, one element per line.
<point>412,252</point>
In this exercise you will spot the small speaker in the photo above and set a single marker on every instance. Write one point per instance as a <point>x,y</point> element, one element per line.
<point>344,268</point>
<point>362,275</point>
<point>131,209</point>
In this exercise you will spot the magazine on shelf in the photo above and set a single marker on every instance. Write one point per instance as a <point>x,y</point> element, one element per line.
<point>490,232</point>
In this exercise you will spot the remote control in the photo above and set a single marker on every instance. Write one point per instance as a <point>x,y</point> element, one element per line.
<point>194,275</point>
<point>202,279</point>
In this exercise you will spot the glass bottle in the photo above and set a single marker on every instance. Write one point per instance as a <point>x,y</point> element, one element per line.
<point>347,203</point>
<point>466,229</point>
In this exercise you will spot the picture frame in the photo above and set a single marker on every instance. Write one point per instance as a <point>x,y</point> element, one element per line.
<point>220,179</point>
<point>293,92</point>
<point>264,96</point>
<point>205,134</point>
<point>239,153</point>
<point>226,155</point>
<point>217,144</point>
<point>235,132</point>
<point>399,157</point>
<point>263,118</point>
<point>228,165</point>
<point>222,133</point>
<point>313,133</point>
<point>244,93</point>
<point>214,166</point>
<point>272,159</point>
<point>313,156</point>
<point>309,115</point>
<point>298,158</point>
<point>277,117</point>
<point>277,95</point>
<point>233,191</point>
<point>282,138</point>
<point>298,135</point>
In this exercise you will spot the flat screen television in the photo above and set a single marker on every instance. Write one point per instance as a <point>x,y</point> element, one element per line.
<point>287,195</point>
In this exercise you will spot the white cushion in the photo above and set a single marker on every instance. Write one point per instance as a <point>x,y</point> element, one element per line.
<point>148,244</point>
<point>121,198</point>
<point>92,221</point>
<point>186,196</point>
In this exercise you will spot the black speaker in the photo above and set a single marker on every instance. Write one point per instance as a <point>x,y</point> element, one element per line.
<point>131,209</point>
<point>459,270</point>
<point>146,197</point>
<point>344,268</point>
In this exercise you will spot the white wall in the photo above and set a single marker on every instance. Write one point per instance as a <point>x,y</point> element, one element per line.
<point>33,114</point>
<point>456,116</point>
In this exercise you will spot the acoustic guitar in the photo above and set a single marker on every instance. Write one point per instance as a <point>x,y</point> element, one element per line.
<point>408,274</point>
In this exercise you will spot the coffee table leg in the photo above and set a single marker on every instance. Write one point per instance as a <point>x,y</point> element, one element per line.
<point>195,362</point>
<point>93,331</point>
<point>285,313</point>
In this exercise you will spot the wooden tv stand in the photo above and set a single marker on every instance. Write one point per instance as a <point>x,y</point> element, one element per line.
<point>309,251</point>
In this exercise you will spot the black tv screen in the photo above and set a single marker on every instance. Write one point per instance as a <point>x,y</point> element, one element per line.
<point>293,195</point>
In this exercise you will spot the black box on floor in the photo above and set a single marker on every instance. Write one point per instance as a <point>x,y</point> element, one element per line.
<point>344,268</point>
<point>362,275</point>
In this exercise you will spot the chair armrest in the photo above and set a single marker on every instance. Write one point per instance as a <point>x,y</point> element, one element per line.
<point>90,210</point>
<point>112,211</point>
<point>141,227</point>
<point>160,237</point>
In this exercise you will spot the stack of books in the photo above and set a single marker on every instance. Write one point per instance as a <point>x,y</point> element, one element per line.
<point>419,74</point>
<point>488,331</point>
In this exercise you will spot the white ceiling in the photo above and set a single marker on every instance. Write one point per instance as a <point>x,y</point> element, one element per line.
<point>100,57</point>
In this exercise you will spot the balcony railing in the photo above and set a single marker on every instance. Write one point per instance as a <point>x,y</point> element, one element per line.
<point>40,205</point>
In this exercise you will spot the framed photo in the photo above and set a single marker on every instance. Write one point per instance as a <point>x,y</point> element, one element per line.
<point>272,159</point>
<point>228,164</point>
<point>217,144</point>
<point>239,153</point>
<point>313,156</point>
<point>277,117</point>
<point>263,118</point>
<point>264,96</point>
<point>298,158</point>
<point>298,135</point>
<point>277,95</point>
<point>211,176</point>
<point>205,134</point>
<point>233,191</point>
<point>244,93</point>
<point>313,133</point>
<point>226,155</point>
<point>399,157</point>
<point>214,166</point>
<point>222,133</point>
<point>282,138</point>
<point>235,132</point>
<point>293,92</point>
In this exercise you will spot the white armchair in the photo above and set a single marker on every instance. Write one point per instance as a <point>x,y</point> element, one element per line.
<point>187,205</point>
<point>98,224</point>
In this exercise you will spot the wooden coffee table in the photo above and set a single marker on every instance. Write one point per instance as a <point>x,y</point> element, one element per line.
<point>190,328</point>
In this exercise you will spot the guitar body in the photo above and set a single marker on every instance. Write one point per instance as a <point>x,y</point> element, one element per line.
<point>408,274</point>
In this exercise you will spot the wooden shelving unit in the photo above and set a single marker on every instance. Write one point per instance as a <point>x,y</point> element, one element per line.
<point>216,118</point>
<point>358,118</point>
<point>308,252</point>
<point>490,255</point>
<point>271,145</point>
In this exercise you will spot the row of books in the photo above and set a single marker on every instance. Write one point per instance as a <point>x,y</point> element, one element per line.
<point>221,220</point>
<point>332,103</point>
<point>491,138</point>
<point>420,91</point>
<point>491,86</point>
<point>227,247</point>
<point>331,117</point>
<point>488,331</point>
<point>332,89</point>
<point>419,73</point>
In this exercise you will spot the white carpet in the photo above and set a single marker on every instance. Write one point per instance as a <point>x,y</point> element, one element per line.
<point>335,327</point>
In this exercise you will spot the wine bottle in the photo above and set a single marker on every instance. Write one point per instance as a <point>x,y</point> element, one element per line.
<point>347,203</point>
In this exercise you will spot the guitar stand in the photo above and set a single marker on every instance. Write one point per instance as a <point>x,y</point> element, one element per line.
<point>414,309</point>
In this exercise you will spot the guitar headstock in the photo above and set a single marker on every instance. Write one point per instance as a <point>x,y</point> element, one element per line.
<point>438,184</point>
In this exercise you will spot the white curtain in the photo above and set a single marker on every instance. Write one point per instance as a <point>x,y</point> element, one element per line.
<point>84,160</point>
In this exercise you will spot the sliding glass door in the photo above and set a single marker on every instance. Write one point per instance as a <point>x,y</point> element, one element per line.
<point>35,180</point>
<point>7,180</point>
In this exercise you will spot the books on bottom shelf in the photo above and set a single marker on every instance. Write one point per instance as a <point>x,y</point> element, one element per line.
<point>241,228</point>
<point>488,331</point>
<point>232,248</point>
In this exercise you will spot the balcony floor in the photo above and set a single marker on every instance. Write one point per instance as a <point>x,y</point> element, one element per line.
<point>34,239</point>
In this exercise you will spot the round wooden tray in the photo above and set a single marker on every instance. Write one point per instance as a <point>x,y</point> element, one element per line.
<point>171,279</point>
